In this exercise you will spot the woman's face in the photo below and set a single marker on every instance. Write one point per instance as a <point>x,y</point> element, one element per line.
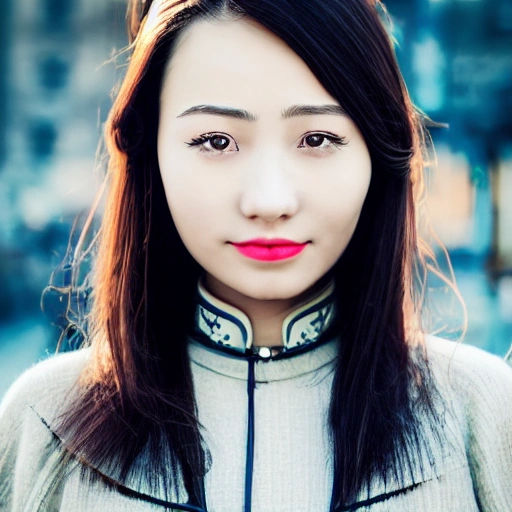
<point>251,147</point>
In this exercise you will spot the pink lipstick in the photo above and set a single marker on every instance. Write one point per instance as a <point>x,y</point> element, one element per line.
<point>269,249</point>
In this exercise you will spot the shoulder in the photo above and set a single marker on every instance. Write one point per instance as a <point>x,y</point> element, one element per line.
<point>27,411</point>
<point>46,384</point>
<point>456,361</point>
<point>477,387</point>
<point>477,384</point>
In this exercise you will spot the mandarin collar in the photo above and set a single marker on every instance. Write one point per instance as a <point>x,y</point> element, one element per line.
<point>228,327</point>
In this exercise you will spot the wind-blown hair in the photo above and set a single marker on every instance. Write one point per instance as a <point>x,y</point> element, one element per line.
<point>138,388</point>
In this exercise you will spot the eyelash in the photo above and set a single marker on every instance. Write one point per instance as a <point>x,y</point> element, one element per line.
<point>199,142</point>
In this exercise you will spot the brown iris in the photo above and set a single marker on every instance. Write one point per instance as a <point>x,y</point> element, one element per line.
<point>219,142</point>
<point>314,140</point>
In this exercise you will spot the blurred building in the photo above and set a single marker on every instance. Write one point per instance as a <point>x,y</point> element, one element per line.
<point>457,61</point>
<point>54,96</point>
<point>55,92</point>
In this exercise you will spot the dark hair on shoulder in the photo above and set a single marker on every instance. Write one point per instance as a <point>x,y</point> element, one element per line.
<point>138,390</point>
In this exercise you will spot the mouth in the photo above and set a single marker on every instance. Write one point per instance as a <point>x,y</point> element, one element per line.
<point>269,249</point>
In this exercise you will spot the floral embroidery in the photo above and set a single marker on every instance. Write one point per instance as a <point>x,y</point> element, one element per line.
<point>212,322</point>
<point>316,326</point>
<point>308,327</point>
<point>220,329</point>
<point>227,326</point>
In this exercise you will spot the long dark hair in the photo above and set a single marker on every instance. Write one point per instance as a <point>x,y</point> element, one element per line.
<point>138,388</point>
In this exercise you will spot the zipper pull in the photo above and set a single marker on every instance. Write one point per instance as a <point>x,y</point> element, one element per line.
<point>264,352</point>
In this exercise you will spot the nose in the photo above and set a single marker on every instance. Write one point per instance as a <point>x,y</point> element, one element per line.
<point>268,192</point>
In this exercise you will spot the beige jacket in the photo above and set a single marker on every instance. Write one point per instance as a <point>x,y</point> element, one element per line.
<point>474,474</point>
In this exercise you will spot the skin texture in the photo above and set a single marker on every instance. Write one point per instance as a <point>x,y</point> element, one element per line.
<point>262,178</point>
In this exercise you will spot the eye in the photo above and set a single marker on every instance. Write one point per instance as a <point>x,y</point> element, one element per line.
<point>319,140</point>
<point>214,143</point>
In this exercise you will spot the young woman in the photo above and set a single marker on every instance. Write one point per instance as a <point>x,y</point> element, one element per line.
<point>255,338</point>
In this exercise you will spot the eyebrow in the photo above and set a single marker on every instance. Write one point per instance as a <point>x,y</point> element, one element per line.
<point>312,110</point>
<point>293,111</point>
<point>219,111</point>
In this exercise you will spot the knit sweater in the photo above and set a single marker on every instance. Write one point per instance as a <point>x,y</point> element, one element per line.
<point>292,464</point>
<point>292,468</point>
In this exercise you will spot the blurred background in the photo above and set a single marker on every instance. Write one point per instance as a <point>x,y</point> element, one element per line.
<point>55,84</point>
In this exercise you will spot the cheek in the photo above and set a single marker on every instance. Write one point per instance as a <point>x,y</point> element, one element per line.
<point>195,206</point>
<point>342,196</point>
<point>341,204</point>
<point>186,207</point>
<point>181,189</point>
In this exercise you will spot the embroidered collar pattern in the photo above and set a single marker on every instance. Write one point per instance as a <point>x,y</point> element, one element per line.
<point>227,326</point>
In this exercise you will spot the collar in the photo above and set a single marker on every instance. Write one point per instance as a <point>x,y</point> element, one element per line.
<point>230,328</point>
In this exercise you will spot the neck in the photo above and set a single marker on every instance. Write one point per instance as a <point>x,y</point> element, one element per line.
<point>266,316</point>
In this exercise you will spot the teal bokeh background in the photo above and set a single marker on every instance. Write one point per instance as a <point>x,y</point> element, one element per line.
<point>55,83</point>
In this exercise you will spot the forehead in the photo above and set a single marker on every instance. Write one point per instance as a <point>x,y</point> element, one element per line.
<point>238,63</point>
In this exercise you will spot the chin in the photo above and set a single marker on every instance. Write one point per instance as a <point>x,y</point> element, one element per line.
<point>273,290</point>
<point>272,295</point>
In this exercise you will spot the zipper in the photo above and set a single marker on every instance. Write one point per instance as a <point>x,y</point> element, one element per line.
<point>249,460</point>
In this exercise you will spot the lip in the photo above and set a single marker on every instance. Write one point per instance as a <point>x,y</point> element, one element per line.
<point>269,249</point>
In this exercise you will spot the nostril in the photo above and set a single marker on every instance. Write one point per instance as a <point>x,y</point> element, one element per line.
<point>270,207</point>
